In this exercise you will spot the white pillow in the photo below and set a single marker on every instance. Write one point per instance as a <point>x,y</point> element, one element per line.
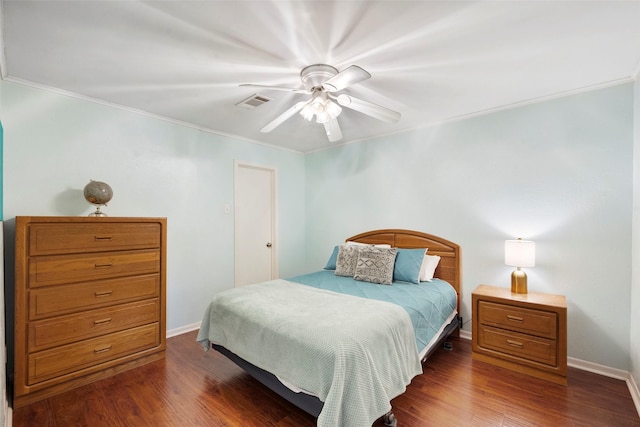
<point>429,265</point>
<point>384,245</point>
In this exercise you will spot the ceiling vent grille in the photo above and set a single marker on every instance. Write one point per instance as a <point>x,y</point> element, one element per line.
<point>253,101</point>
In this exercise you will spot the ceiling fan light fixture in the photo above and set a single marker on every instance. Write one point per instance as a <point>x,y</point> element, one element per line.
<point>322,117</point>
<point>307,113</point>
<point>317,106</point>
<point>332,109</point>
<point>322,108</point>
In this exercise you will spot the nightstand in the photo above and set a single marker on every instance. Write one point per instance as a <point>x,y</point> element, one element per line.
<point>522,332</point>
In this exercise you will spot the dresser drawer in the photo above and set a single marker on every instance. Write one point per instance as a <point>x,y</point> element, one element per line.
<point>85,354</point>
<point>55,270</point>
<point>61,330</point>
<point>48,239</point>
<point>528,321</point>
<point>66,299</point>
<point>527,347</point>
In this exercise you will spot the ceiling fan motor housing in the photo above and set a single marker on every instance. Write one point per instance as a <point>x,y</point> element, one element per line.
<point>315,75</point>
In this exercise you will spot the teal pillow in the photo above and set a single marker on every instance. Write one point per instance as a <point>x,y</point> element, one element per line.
<point>331,263</point>
<point>408,263</point>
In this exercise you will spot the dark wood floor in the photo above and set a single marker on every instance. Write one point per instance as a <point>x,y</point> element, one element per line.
<point>194,388</point>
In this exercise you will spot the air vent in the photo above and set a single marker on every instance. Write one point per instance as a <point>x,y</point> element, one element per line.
<point>253,101</point>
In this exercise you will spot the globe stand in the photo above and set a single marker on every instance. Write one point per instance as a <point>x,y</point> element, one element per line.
<point>98,212</point>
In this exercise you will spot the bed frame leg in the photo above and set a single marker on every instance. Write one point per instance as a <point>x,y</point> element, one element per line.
<point>389,419</point>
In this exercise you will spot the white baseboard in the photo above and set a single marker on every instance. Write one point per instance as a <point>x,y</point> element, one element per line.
<point>183,329</point>
<point>618,374</point>
<point>465,334</point>
<point>635,394</point>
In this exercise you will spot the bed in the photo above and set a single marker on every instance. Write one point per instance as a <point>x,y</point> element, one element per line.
<point>340,347</point>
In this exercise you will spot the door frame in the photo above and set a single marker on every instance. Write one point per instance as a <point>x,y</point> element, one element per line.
<point>274,215</point>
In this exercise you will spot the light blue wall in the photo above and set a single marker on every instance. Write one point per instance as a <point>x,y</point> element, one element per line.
<point>54,144</point>
<point>558,172</point>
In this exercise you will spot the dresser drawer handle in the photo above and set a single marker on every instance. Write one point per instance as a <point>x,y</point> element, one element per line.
<point>103,238</point>
<point>102,350</point>
<point>513,343</point>
<point>102,321</point>
<point>103,265</point>
<point>515,318</point>
<point>103,294</point>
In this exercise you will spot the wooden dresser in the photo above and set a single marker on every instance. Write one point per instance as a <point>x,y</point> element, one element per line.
<point>90,300</point>
<point>523,332</point>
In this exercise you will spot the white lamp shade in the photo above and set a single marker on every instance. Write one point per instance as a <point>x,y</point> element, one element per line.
<point>520,253</point>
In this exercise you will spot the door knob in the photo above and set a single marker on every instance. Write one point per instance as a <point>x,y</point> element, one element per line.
<point>268,245</point>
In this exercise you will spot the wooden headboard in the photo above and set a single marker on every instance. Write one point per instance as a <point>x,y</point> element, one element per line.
<point>449,266</point>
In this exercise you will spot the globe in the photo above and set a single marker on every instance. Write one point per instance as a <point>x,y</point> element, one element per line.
<point>97,193</point>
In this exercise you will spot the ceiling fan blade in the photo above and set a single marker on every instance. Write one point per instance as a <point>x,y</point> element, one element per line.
<point>374,110</point>
<point>333,130</point>
<point>287,89</point>
<point>284,116</point>
<point>351,75</point>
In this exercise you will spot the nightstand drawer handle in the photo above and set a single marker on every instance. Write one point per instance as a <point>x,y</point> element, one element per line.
<point>102,321</point>
<point>103,294</point>
<point>515,318</point>
<point>103,265</point>
<point>103,238</point>
<point>102,350</point>
<point>513,343</point>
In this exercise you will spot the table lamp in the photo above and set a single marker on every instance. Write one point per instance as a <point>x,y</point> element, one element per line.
<point>519,253</point>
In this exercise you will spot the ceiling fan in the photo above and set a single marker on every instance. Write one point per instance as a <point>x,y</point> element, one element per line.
<point>322,81</point>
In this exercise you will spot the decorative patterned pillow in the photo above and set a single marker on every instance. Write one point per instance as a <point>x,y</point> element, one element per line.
<point>375,265</point>
<point>346,260</point>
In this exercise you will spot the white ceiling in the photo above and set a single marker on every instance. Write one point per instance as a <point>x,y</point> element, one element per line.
<point>430,60</point>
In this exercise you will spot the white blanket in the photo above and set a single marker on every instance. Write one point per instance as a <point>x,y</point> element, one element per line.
<point>353,353</point>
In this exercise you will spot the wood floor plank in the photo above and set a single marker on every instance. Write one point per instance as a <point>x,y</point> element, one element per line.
<point>196,388</point>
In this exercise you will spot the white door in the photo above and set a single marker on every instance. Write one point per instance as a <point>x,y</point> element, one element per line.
<point>255,219</point>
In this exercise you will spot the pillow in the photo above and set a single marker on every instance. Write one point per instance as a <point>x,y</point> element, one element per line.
<point>429,267</point>
<point>381,245</point>
<point>331,263</point>
<point>346,260</point>
<point>375,265</point>
<point>408,265</point>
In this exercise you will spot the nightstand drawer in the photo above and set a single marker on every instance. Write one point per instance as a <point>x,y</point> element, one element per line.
<point>524,346</point>
<point>528,321</point>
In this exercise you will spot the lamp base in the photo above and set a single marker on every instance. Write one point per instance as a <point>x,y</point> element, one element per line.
<point>518,282</point>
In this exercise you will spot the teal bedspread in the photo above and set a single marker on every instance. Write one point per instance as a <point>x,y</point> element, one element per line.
<point>354,354</point>
<point>431,305</point>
